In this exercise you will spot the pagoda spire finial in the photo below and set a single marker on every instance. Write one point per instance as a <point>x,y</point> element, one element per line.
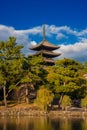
<point>44,33</point>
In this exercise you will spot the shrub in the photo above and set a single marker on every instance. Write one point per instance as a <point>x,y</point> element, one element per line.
<point>84,102</point>
<point>66,101</point>
<point>44,98</point>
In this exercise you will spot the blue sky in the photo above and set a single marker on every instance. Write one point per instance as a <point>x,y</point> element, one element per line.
<point>65,20</point>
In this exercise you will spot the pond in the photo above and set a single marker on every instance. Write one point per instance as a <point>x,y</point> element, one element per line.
<point>42,123</point>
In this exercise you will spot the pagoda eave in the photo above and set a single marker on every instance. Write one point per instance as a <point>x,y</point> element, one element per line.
<point>49,61</point>
<point>44,44</point>
<point>47,54</point>
<point>42,47</point>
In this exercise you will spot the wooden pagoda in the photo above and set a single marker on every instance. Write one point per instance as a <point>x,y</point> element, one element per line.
<point>46,49</point>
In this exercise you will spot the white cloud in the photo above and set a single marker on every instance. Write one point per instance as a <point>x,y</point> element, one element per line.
<point>33,31</point>
<point>78,50</point>
<point>52,29</point>
<point>61,36</point>
<point>33,43</point>
<point>22,37</point>
<point>5,32</point>
<point>56,29</point>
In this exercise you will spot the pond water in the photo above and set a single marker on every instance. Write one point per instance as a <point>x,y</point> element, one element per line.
<point>42,123</point>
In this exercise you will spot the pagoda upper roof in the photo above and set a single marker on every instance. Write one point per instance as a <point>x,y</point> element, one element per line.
<point>44,45</point>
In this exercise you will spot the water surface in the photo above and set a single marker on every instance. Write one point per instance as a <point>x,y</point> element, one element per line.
<point>42,123</point>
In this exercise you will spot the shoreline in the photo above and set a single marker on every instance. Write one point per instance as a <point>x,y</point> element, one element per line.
<point>31,112</point>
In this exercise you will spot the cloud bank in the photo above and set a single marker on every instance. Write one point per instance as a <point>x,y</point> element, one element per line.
<point>73,42</point>
<point>77,51</point>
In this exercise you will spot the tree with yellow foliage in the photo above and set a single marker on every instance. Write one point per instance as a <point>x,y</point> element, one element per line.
<point>44,98</point>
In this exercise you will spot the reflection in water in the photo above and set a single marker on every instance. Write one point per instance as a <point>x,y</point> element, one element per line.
<point>42,123</point>
<point>77,124</point>
<point>61,124</point>
<point>84,124</point>
<point>25,123</point>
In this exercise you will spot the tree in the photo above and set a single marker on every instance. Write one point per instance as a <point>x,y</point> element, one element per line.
<point>66,102</point>
<point>44,98</point>
<point>11,60</point>
<point>33,75</point>
<point>84,102</point>
<point>65,79</point>
<point>3,85</point>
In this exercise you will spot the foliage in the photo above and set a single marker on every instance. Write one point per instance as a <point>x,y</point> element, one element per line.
<point>11,61</point>
<point>34,72</point>
<point>65,78</point>
<point>66,101</point>
<point>36,64</point>
<point>84,102</point>
<point>44,98</point>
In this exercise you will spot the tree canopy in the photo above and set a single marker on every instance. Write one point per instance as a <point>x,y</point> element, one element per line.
<point>66,77</point>
<point>11,60</point>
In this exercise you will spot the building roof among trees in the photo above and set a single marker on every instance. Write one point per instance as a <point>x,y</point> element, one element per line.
<point>44,44</point>
<point>47,53</point>
<point>46,49</point>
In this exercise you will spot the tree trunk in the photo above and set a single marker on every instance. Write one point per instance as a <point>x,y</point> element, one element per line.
<point>61,97</point>
<point>18,96</point>
<point>26,94</point>
<point>4,92</point>
<point>60,100</point>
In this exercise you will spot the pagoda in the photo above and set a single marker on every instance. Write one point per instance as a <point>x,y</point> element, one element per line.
<point>46,49</point>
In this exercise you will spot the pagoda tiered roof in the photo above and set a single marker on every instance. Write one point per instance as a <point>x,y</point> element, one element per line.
<point>46,49</point>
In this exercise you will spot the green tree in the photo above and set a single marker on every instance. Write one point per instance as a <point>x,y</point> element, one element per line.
<point>65,79</point>
<point>11,60</point>
<point>44,98</point>
<point>34,74</point>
